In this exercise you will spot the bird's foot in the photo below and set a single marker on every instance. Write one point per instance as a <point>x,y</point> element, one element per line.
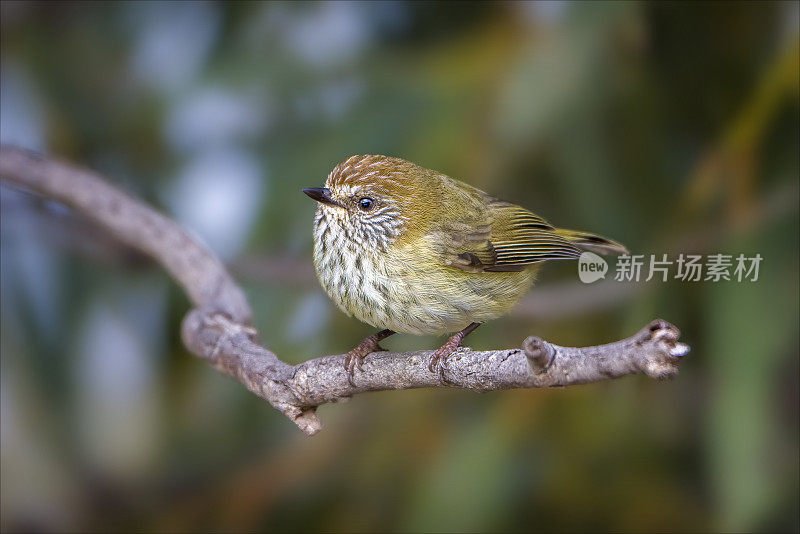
<point>354,358</point>
<point>438,363</point>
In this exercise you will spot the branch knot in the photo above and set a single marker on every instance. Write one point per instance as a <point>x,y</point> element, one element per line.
<point>539,352</point>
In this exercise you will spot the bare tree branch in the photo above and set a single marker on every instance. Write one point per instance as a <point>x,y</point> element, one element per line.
<point>219,329</point>
<point>195,268</point>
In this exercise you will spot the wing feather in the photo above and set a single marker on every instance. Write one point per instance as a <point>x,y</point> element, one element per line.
<point>520,238</point>
<point>492,235</point>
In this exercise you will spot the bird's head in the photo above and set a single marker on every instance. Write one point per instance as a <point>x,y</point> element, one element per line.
<point>371,199</point>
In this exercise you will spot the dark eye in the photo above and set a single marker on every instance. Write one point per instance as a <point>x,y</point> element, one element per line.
<point>365,204</point>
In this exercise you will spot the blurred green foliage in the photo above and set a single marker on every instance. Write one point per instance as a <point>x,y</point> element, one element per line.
<point>670,127</point>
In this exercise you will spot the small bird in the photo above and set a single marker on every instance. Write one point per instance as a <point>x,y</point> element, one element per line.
<point>407,249</point>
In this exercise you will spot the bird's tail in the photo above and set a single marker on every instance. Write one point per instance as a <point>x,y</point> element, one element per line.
<point>592,242</point>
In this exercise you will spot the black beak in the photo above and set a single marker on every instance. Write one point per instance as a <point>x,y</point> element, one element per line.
<point>322,194</point>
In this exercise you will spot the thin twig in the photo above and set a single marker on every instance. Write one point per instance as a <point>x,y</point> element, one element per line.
<point>219,330</point>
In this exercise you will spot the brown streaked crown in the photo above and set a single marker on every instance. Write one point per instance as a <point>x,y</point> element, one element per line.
<point>361,170</point>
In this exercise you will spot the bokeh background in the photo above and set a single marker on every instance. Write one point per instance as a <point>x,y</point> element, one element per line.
<point>670,127</point>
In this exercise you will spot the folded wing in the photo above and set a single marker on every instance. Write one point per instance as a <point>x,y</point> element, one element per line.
<point>506,237</point>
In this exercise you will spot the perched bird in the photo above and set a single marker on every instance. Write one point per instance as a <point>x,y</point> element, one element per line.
<point>408,249</point>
